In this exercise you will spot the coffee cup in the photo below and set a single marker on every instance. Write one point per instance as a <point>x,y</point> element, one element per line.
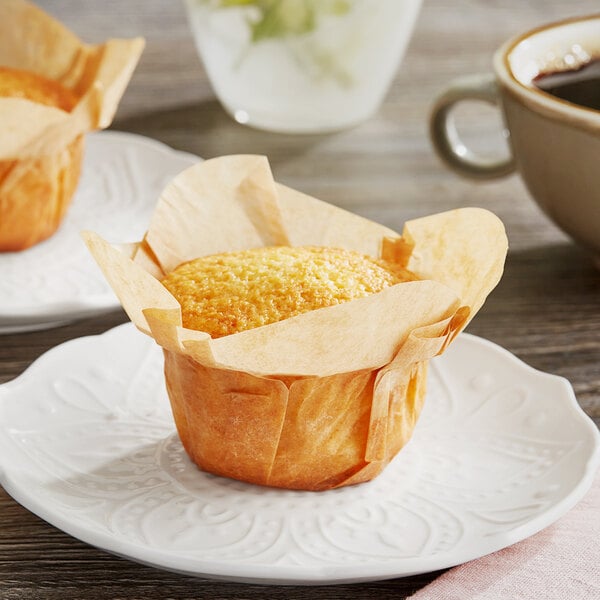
<point>539,81</point>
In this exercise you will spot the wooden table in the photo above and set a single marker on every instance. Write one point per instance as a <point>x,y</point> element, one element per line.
<point>546,310</point>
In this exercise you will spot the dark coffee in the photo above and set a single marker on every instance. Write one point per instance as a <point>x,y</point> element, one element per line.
<point>579,86</point>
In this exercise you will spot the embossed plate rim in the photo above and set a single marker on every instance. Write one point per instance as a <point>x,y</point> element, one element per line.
<point>17,316</point>
<point>320,574</point>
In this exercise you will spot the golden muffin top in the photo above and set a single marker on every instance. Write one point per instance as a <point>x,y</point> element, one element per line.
<point>15,83</point>
<point>230,292</point>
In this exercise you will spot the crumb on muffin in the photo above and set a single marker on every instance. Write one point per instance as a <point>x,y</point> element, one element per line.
<point>226,293</point>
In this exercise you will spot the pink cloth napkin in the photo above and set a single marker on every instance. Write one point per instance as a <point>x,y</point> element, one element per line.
<point>562,562</point>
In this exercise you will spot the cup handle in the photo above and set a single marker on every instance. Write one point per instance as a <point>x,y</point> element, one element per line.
<point>444,135</point>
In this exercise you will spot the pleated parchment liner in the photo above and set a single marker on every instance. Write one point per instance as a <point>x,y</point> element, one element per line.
<point>38,139</point>
<point>323,399</point>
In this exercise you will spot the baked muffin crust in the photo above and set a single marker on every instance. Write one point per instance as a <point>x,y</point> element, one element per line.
<point>223,294</point>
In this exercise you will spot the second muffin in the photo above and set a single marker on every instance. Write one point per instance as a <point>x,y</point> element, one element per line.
<point>54,89</point>
<point>37,192</point>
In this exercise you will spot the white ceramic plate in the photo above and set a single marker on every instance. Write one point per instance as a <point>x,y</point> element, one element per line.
<point>57,281</point>
<point>87,442</point>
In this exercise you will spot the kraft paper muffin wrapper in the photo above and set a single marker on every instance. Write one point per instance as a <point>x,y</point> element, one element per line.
<point>326,398</point>
<point>33,41</point>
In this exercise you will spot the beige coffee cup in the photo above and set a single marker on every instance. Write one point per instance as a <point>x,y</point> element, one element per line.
<point>553,144</point>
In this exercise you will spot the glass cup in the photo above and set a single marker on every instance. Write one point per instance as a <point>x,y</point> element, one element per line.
<point>301,66</point>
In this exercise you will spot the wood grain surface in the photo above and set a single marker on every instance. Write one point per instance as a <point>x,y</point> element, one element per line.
<point>546,310</point>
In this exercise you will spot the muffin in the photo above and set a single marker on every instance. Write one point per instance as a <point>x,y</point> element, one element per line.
<point>223,294</point>
<point>33,206</point>
<point>53,89</point>
<point>320,381</point>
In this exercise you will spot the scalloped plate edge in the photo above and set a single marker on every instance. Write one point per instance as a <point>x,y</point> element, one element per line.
<point>326,575</point>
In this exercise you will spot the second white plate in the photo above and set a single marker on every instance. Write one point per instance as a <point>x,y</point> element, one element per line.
<point>57,281</point>
<point>87,442</point>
